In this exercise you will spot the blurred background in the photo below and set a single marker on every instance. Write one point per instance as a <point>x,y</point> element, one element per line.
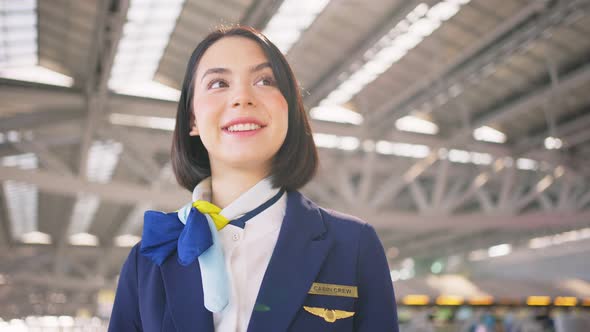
<point>459,129</point>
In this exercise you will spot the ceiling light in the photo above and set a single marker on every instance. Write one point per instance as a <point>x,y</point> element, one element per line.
<point>36,238</point>
<point>415,299</point>
<point>418,151</point>
<point>126,240</point>
<point>443,10</point>
<point>336,142</point>
<point>499,250</point>
<point>348,143</point>
<point>489,134</point>
<point>459,156</point>
<point>37,74</point>
<point>84,239</point>
<point>336,113</point>
<point>325,140</point>
<point>553,143</point>
<point>436,267</point>
<point>527,164</point>
<point>142,121</point>
<point>417,125</point>
<point>538,300</point>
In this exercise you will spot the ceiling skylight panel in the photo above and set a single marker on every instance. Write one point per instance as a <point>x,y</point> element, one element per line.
<point>102,160</point>
<point>18,45</point>
<point>18,35</point>
<point>292,18</point>
<point>14,19</point>
<point>21,198</point>
<point>18,40</point>
<point>83,213</point>
<point>15,6</point>
<point>145,36</point>
<point>421,22</point>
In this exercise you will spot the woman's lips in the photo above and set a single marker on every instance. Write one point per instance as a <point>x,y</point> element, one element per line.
<point>245,133</point>
<point>243,120</point>
<point>245,126</point>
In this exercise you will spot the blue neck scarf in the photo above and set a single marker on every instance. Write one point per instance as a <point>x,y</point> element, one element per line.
<point>194,236</point>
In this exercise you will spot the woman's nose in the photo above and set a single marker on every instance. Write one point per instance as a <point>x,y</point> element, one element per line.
<point>243,97</point>
<point>242,102</point>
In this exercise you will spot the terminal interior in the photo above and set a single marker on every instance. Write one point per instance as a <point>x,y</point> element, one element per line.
<point>459,129</point>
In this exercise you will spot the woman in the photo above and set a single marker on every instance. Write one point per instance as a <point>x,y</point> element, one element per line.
<point>261,257</point>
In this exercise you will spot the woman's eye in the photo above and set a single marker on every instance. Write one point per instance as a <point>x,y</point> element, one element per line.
<point>266,81</point>
<point>217,84</point>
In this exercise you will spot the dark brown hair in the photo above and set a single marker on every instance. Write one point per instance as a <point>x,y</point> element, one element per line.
<point>295,163</point>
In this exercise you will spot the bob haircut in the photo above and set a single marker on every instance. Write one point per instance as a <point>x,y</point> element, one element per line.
<point>294,164</point>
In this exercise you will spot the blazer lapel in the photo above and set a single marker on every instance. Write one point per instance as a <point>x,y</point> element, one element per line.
<point>301,248</point>
<point>184,296</point>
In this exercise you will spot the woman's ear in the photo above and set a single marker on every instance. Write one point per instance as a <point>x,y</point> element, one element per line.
<point>194,130</point>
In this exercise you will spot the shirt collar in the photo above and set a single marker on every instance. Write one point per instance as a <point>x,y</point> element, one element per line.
<point>249,200</point>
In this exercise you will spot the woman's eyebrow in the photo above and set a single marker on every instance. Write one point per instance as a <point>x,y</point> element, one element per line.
<point>215,71</point>
<point>260,67</point>
<point>256,68</point>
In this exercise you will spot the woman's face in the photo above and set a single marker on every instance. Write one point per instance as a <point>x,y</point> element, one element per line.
<point>239,112</point>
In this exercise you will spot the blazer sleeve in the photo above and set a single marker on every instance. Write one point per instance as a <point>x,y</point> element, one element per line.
<point>125,315</point>
<point>376,309</point>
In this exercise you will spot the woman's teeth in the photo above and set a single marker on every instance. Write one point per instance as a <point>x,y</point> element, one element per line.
<point>243,127</point>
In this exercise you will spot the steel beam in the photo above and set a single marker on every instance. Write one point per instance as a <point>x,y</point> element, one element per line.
<point>260,13</point>
<point>469,64</point>
<point>122,193</point>
<point>331,79</point>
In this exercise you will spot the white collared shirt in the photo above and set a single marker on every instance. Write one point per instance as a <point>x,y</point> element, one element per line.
<point>246,251</point>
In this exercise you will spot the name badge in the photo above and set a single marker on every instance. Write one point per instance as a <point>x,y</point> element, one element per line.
<point>333,290</point>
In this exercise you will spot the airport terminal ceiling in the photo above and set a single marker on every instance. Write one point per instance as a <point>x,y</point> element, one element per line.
<point>459,129</point>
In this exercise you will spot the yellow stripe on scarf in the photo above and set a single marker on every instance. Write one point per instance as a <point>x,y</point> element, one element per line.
<point>212,210</point>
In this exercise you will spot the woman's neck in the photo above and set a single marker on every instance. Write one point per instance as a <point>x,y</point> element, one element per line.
<point>228,184</point>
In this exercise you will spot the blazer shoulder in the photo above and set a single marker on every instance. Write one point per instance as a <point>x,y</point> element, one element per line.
<point>345,226</point>
<point>141,262</point>
<point>333,217</point>
<point>341,219</point>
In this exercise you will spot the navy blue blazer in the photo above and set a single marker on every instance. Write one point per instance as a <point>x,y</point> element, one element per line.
<point>314,245</point>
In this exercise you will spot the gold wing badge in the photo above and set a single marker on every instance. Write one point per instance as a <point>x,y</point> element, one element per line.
<point>328,315</point>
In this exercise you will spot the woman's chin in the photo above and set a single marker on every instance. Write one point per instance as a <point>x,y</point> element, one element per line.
<point>248,161</point>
